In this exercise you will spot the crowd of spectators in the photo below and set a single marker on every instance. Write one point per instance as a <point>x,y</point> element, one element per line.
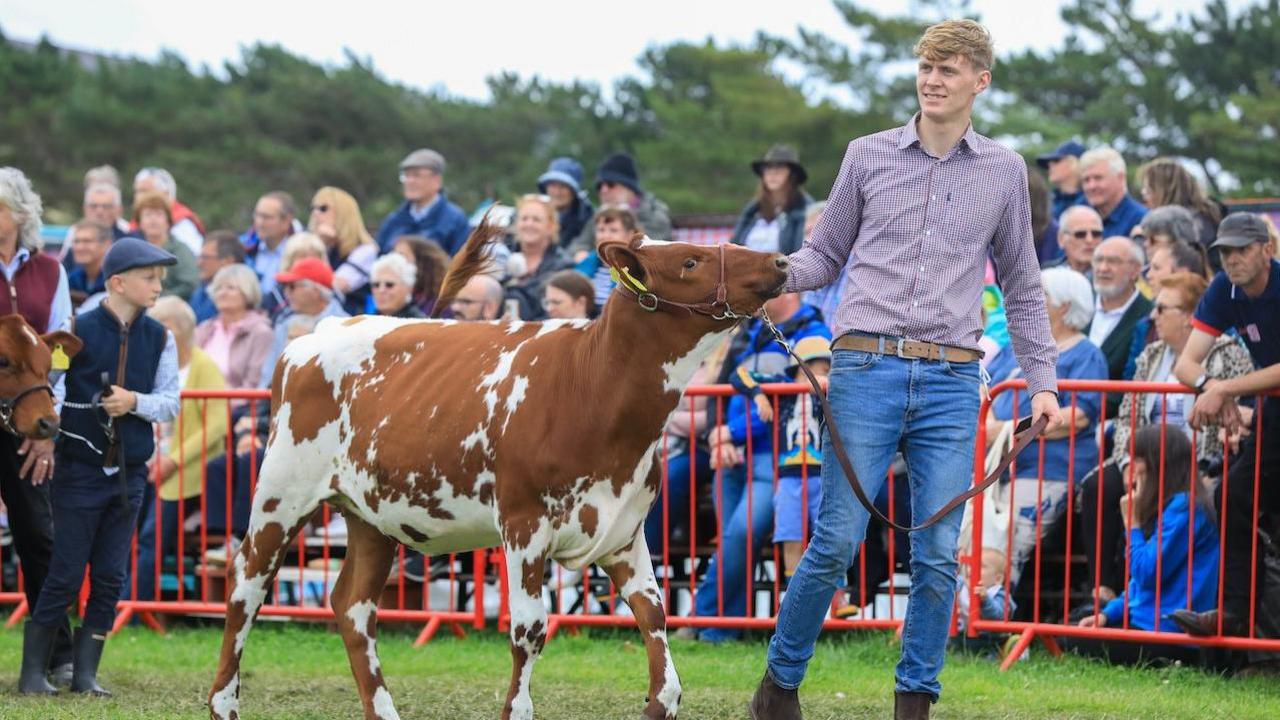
<point>1127,283</point>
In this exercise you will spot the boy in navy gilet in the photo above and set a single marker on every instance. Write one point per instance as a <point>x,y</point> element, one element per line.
<point>107,438</point>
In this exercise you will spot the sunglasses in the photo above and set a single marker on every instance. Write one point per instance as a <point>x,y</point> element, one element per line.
<point>1082,234</point>
<point>383,284</point>
<point>1161,308</point>
<point>320,208</point>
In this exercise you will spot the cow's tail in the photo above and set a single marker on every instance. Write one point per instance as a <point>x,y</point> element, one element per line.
<point>470,261</point>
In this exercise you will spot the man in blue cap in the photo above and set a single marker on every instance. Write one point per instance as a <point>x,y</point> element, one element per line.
<point>562,182</point>
<point>125,380</point>
<point>1063,169</point>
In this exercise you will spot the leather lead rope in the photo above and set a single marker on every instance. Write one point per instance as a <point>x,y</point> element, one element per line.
<point>1021,441</point>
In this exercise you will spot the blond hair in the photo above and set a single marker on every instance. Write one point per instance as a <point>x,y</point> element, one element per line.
<point>347,221</point>
<point>175,310</point>
<point>965,38</point>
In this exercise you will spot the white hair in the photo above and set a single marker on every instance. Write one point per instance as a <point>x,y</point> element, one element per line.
<point>102,187</point>
<point>1064,285</point>
<point>1106,154</point>
<point>162,178</point>
<point>405,270</point>
<point>1135,250</point>
<point>17,195</point>
<point>301,322</point>
<point>174,309</point>
<point>1065,217</point>
<point>244,279</point>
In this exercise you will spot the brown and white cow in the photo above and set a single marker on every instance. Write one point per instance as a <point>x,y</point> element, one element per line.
<point>26,399</point>
<point>448,436</point>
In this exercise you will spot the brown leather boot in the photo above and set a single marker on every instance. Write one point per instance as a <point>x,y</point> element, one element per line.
<point>774,703</point>
<point>911,705</point>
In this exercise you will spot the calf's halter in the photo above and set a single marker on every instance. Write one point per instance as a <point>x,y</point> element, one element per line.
<point>715,306</point>
<point>8,405</point>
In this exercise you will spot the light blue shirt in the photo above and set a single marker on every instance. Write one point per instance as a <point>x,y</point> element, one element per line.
<point>266,262</point>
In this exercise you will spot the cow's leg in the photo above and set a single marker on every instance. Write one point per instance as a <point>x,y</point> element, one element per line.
<point>355,604</point>
<point>279,512</point>
<point>631,570</point>
<point>526,566</point>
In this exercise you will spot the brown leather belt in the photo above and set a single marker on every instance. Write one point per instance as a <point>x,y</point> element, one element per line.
<point>910,349</point>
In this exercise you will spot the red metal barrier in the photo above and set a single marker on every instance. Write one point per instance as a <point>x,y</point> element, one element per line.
<point>594,600</point>
<point>590,599</point>
<point>1049,628</point>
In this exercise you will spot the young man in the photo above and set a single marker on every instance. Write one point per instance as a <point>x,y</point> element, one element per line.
<point>913,214</point>
<point>1244,296</point>
<point>92,523</point>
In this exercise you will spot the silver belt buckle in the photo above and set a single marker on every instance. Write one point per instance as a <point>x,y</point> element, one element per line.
<point>902,345</point>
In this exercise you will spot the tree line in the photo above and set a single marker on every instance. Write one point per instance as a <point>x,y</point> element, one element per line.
<point>1203,86</point>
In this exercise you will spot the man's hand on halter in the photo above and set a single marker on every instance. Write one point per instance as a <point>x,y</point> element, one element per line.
<point>1046,403</point>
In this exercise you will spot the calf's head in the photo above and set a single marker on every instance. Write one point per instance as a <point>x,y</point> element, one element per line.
<point>26,401</point>
<point>716,281</point>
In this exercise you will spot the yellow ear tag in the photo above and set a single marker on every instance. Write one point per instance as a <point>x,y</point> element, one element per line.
<point>60,359</point>
<point>634,281</point>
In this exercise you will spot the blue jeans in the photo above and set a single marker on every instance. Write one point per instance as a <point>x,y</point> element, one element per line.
<point>729,565</point>
<point>880,403</point>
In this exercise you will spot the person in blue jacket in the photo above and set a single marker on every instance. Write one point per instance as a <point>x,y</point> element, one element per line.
<point>426,210</point>
<point>736,489</point>
<point>1162,522</point>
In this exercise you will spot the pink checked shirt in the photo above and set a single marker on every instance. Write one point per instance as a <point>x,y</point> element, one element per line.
<point>918,229</point>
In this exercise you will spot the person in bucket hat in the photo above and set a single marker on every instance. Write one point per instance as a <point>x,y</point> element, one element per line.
<point>774,219</point>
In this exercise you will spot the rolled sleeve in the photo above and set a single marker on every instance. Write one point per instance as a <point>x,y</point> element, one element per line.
<point>824,254</point>
<point>161,405</point>
<point>1019,271</point>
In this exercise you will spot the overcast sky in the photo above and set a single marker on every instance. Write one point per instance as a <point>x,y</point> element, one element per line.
<point>455,45</point>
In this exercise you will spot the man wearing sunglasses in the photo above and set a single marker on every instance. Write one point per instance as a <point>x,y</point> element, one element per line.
<point>1079,233</point>
<point>426,210</point>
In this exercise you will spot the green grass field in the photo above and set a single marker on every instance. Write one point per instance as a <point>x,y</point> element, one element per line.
<point>295,671</point>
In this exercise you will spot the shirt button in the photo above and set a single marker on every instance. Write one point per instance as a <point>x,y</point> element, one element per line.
<point>928,232</point>
<point>915,303</point>
<point>921,268</point>
<point>933,197</point>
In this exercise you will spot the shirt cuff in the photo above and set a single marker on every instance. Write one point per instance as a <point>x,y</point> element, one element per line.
<point>1042,379</point>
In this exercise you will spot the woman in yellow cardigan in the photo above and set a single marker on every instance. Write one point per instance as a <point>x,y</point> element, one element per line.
<point>179,461</point>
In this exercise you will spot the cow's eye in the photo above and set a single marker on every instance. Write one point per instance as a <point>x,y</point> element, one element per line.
<point>4,362</point>
<point>690,264</point>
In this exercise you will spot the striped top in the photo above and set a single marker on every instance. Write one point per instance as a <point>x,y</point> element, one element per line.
<point>916,230</point>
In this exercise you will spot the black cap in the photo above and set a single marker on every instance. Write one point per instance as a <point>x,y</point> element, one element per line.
<point>128,253</point>
<point>619,168</point>
<point>1241,229</point>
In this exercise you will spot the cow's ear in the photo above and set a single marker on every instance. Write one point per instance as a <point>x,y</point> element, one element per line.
<point>621,256</point>
<point>70,343</point>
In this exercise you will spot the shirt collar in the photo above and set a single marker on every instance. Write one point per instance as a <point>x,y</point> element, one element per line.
<point>910,136</point>
<point>22,255</point>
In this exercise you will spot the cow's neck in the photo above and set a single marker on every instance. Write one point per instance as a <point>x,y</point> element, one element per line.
<point>628,344</point>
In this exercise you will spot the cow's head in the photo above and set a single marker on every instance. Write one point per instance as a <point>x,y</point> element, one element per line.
<point>708,280</point>
<point>26,402</point>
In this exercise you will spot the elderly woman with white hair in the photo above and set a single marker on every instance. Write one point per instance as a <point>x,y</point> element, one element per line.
<point>1069,451</point>
<point>186,443</point>
<point>239,337</point>
<point>34,286</point>
<point>392,279</point>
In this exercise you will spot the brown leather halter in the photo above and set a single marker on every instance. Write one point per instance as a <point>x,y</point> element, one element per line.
<point>1021,441</point>
<point>715,306</point>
